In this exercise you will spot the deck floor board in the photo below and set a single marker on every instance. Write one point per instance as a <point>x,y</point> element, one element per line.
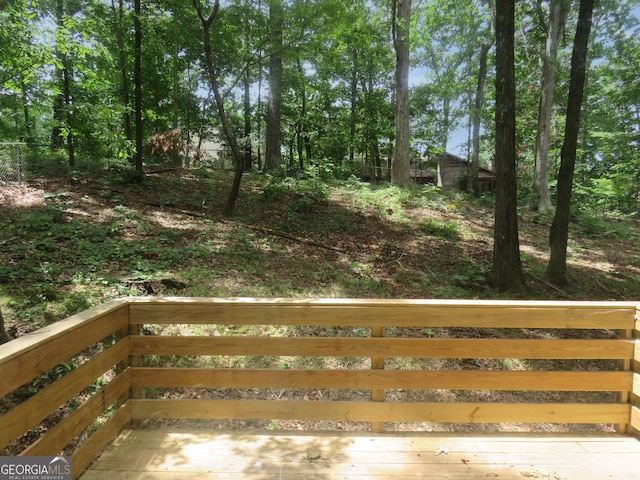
<point>174,453</point>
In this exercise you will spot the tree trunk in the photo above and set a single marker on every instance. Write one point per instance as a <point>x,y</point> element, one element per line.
<point>137,80</point>
<point>559,233</point>
<point>301,126</point>
<point>401,158</point>
<point>122,66</point>
<point>66,75</point>
<point>474,174</point>
<point>58,99</point>
<point>248,158</point>
<point>354,111</point>
<point>175,139</point>
<point>238,157</point>
<point>62,102</point>
<point>28,128</point>
<point>246,83</point>
<point>273,155</point>
<point>541,200</point>
<point>4,336</point>
<point>506,273</point>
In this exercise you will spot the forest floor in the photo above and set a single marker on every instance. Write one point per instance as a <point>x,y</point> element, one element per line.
<point>69,242</point>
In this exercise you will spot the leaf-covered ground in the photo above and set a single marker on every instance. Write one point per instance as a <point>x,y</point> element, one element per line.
<point>70,242</point>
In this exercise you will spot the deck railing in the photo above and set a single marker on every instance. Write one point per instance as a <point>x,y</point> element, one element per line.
<point>378,361</point>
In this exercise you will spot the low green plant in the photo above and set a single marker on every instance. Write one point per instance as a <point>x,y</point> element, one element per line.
<point>443,230</point>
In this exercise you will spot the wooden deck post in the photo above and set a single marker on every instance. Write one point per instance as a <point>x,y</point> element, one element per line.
<point>624,365</point>
<point>377,363</point>
<point>135,393</point>
<point>634,422</point>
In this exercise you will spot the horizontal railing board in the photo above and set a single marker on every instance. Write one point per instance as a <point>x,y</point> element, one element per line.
<point>381,379</point>
<point>387,313</point>
<point>382,411</point>
<point>74,424</point>
<point>50,333</point>
<point>100,439</point>
<point>383,347</point>
<point>33,410</point>
<point>36,353</point>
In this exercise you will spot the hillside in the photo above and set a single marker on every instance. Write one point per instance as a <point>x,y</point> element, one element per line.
<point>70,242</point>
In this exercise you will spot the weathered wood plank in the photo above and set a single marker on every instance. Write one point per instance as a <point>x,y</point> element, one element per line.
<point>175,437</point>
<point>25,358</point>
<point>30,412</point>
<point>185,454</point>
<point>100,439</point>
<point>383,347</point>
<point>339,462</point>
<point>64,432</point>
<point>419,313</point>
<point>377,411</point>
<point>384,379</point>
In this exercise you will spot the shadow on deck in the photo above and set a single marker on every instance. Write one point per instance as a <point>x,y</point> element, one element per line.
<point>171,453</point>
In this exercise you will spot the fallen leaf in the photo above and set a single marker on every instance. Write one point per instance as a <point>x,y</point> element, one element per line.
<point>313,454</point>
<point>442,450</point>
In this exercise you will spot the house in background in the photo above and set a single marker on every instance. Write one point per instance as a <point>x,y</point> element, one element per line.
<point>450,172</point>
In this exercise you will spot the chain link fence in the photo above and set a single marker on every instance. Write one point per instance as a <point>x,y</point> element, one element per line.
<point>12,162</point>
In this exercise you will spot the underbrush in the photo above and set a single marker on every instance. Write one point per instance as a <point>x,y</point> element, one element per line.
<point>73,240</point>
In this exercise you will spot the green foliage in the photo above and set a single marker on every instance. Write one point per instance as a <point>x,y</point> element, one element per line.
<point>600,227</point>
<point>300,195</point>
<point>443,230</point>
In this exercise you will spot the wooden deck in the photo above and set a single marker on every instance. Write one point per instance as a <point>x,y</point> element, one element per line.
<point>173,453</point>
<point>381,363</point>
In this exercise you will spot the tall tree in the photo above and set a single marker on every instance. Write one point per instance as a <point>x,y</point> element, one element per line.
<point>118,14</point>
<point>506,273</point>
<point>212,73</point>
<point>558,10</point>
<point>62,100</point>
<point>559,233</point>
<point>476,112</point>
<point>402,153</point>
<point>137,80</point>
<point>273,155</point>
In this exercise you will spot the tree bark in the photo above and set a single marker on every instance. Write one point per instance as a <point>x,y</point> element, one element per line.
<point>4,336</point>
<point>559,233</point>
<point>541,200</point>
<point>401,158</point>
<point>273,154</point>
<point>506,273</point>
